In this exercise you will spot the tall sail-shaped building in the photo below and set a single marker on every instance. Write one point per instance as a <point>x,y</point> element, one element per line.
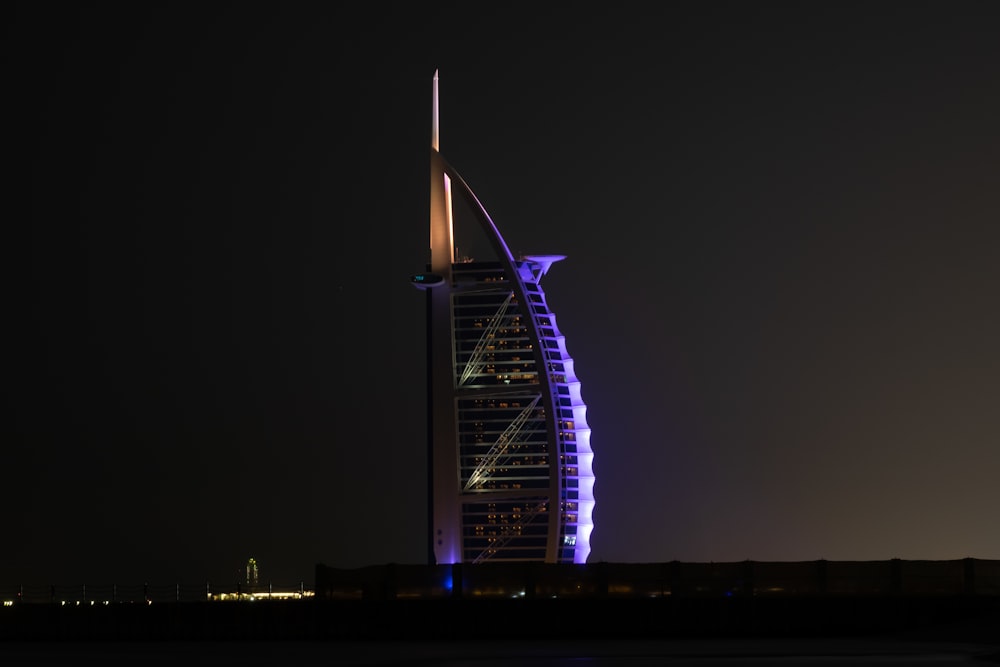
<point>510,464</point>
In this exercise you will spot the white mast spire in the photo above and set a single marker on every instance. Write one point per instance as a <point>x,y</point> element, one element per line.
<point>434,115</point>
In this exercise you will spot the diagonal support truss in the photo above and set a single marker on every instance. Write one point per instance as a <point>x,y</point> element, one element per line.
<point>510,532</point>
<point>474,364</point>
<point>499,449</point>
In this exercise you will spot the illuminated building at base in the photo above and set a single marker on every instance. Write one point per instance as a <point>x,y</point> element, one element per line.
<point>510,463</point>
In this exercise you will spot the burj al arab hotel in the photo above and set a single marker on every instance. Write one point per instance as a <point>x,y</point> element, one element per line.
<point>510,465</point>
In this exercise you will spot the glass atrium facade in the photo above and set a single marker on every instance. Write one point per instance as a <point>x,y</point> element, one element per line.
<point>523,440</point>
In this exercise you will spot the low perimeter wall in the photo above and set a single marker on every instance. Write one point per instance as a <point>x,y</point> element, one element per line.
<point>967,576</point>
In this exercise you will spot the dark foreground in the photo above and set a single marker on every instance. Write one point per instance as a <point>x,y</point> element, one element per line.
<point>951,618</point>
<point>856,630</point>
<point>832,652</point>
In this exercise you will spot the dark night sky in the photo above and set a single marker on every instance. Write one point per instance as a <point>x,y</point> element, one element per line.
<point>781,224</point>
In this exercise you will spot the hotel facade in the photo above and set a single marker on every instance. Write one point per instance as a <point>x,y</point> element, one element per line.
<point>510,464</point>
